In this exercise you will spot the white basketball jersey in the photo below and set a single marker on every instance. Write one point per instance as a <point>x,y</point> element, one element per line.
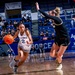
<point>23,41</point>
<point>23,38</point>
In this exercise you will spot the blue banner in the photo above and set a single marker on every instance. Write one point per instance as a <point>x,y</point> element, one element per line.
<point>72,41</point>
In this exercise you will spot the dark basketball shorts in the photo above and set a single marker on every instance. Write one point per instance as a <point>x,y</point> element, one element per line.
<point>62,41</point>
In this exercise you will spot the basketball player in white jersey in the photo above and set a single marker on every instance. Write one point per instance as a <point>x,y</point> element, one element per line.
<point>24,46</point>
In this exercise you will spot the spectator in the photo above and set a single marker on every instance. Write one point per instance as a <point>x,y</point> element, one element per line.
<point>28,18</point>
<point>73,22</point>
<point>2,23</point>
<point>15,23</point>
<point>41,49</point>
<point>47,33</point>
<point>3,33</point>
<point>24,18</point>
<point>12,32</point>
<point>10,27</point>
<point>45,37</point>
<point>53,36</point>
<point>40,23</point>
<point>46,22</point>
<point>33,53</point>
<point>41,33</point>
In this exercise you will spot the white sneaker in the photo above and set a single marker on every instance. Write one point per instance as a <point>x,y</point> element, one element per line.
<point>59,66</point>
<point>59,72</point>
<point>12,63</point>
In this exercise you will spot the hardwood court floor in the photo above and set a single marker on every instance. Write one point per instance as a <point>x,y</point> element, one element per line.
<point>39,68</point>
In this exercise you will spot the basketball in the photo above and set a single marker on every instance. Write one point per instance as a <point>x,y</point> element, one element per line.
<point>8,39</point>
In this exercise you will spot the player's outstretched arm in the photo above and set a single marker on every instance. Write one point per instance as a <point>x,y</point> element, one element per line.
<point>37,6</point>
<point>56,19</point>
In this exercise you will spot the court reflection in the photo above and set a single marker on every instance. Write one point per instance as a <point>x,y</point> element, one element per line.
<point>59,72</point>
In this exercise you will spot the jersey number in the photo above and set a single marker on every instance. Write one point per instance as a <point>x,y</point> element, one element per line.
<point>23,41</point>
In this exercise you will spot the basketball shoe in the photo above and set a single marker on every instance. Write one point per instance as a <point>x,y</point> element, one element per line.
<point>15,69</point>
<point>12,63</point>
<point>58,65</point>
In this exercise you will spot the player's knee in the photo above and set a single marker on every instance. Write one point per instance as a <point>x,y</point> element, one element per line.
<point>21,53</point>
<point>59,55</point>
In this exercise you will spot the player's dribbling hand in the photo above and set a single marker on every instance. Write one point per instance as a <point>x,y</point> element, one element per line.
<point>27,42</point>
<point>37,6</point>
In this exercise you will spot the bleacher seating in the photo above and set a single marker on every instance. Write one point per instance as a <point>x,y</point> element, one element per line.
<point>44,26</point>
<point>10,28</point>
<point>51,4</point>
<point>65,16</point>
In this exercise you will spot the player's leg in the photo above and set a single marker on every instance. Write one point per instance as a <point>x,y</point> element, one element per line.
<point>60,53</point>
<point>15,59</point>
<point>23,57</point>
<point>54,49</point>
<point>63,46</point>
<point>24,52</point>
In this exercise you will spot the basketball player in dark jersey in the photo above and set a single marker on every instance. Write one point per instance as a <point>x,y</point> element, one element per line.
<point>62,37</point>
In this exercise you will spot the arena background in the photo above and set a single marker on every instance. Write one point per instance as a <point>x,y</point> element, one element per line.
<point>41,29</point>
